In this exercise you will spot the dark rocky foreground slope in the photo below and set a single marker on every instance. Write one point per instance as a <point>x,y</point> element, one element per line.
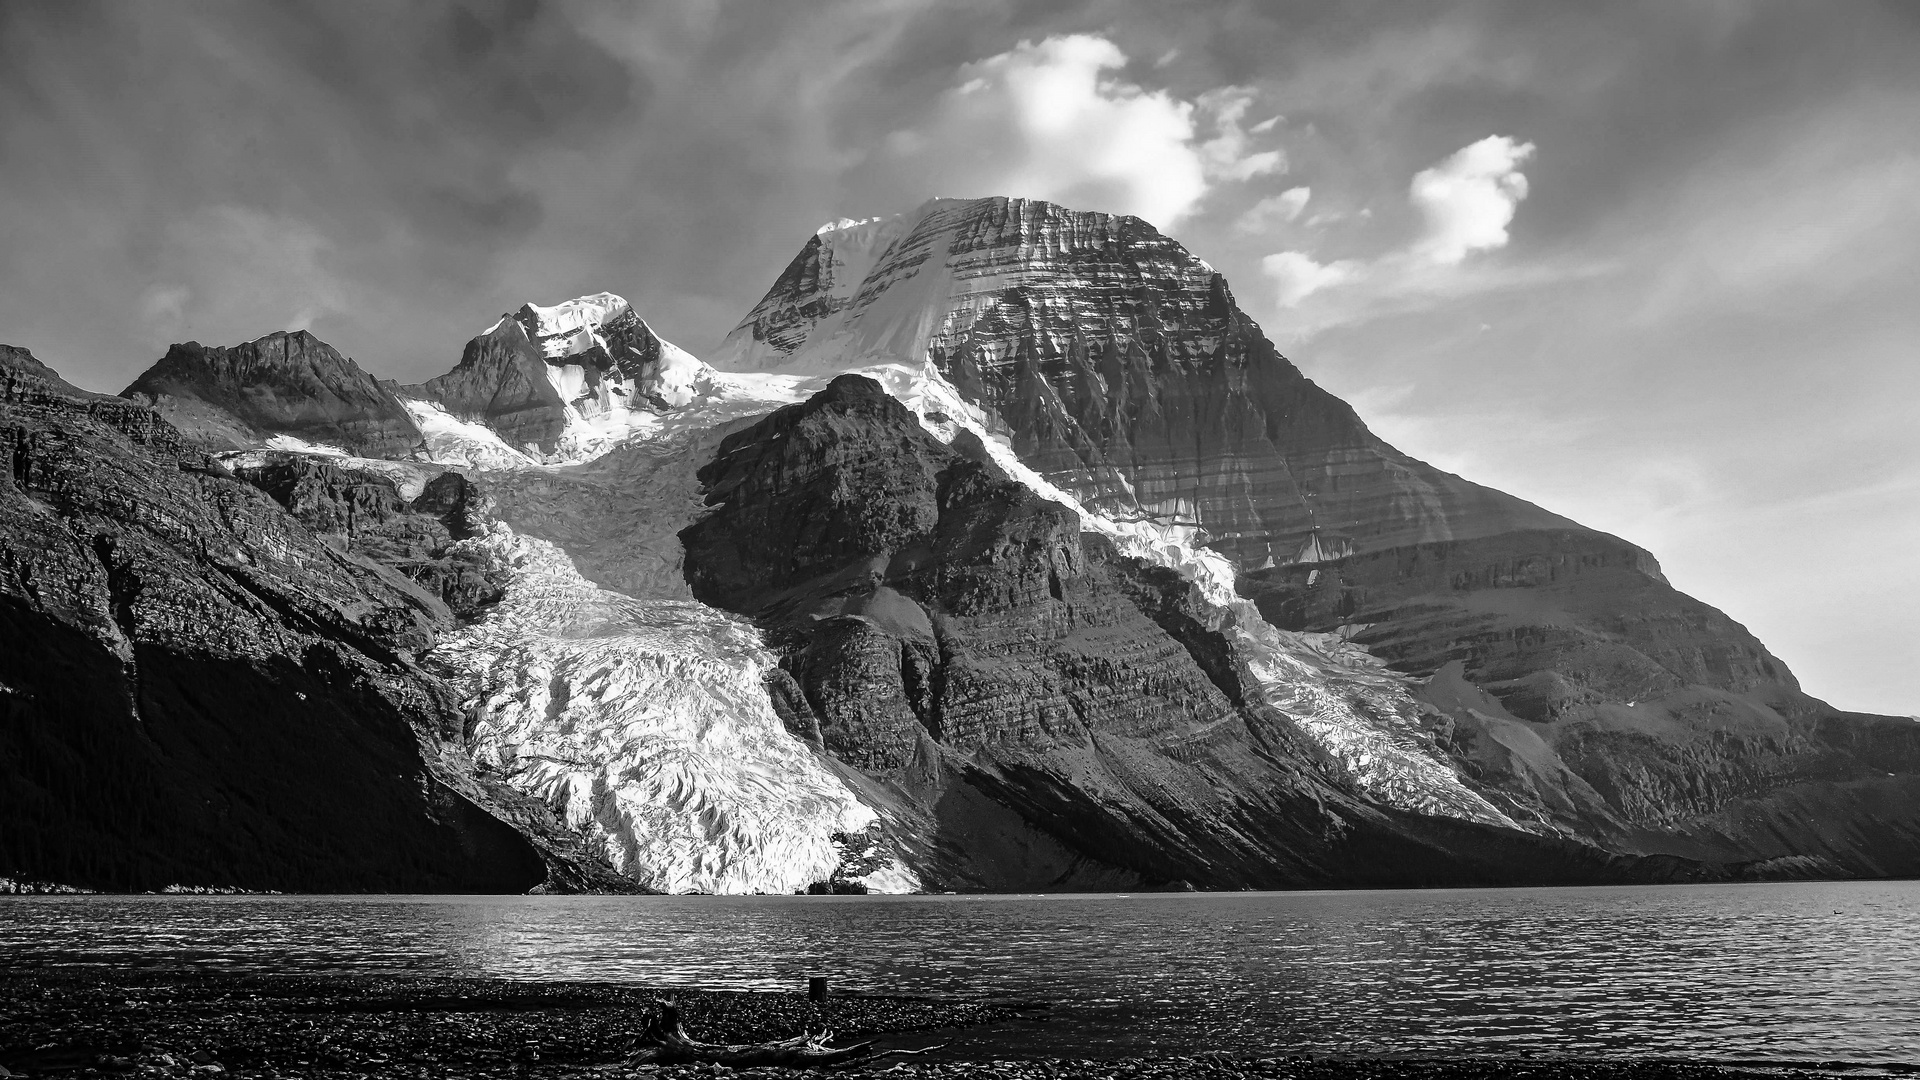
<point>196,688</point>
<point>1056,712</point>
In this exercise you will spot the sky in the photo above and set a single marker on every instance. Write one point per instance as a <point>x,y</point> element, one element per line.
<point>1655,265</point>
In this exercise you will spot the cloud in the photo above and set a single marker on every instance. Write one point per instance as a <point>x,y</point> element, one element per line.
<point>1226,156</point>
<point>164,305</point>
<point>1274,210</point>
<point>1298,276</point>
<point>1468,200</point>
<point>1052,120</point>
<point>232,272</point>
<point>1777,235</point>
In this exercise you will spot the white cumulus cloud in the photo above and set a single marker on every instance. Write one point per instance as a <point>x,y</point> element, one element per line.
<point>1227,155</point>
<point>1274,210</point>
<point>1056,119</point>
<point>1466,203</point>
<point>1468,200</point>
<point>1298,276</point>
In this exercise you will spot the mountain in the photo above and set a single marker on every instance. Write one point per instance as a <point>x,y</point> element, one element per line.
<point>198,689</point>
<point>290,383</point>
<point>1566,680</point>
<point>995,549</point>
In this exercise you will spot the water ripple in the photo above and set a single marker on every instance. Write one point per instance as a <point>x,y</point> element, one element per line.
<point>1808,972</point>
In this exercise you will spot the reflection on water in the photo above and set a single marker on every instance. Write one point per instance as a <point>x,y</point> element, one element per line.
<point>1800,971</point>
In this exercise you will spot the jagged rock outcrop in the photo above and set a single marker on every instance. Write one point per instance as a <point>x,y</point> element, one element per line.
<point>367,514</point>
<point>288,383</point>
<point>1015,683</point>
<point>199,690</point>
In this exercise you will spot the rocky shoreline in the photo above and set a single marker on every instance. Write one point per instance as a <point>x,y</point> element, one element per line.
<point>168,1023</point>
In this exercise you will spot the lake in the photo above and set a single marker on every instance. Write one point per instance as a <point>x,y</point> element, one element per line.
<point>1787,972</point>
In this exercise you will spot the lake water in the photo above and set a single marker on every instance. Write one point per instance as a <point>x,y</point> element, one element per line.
<point>1787,972</point>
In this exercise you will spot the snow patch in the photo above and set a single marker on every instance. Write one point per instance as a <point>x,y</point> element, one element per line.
<point>462,443</point>
<point>292,445</point>
<point>409,478</point>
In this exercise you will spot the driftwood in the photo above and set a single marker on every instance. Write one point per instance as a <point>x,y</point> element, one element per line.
<point>666,1042</point>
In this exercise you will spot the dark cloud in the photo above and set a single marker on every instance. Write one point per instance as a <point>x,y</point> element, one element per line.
<point>1719,203</point>
<point>383,144</point>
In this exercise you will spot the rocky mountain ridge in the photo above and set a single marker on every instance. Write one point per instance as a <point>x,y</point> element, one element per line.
<point>288,384</point>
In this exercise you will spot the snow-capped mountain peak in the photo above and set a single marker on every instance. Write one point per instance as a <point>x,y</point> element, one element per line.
<point>567,381</point>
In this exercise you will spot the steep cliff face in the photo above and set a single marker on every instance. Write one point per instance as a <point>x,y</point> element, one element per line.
<point>200,690</point>
<point>411,524</point>
<point>282,384</point>
<point>1016,684</point>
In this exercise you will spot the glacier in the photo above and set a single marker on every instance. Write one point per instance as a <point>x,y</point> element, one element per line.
<point>647,724</point>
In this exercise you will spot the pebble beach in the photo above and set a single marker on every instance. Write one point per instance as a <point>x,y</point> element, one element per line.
<point>99,1022</point>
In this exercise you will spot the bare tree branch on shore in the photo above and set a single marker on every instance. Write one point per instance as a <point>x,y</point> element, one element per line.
<point>665,1042</point>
